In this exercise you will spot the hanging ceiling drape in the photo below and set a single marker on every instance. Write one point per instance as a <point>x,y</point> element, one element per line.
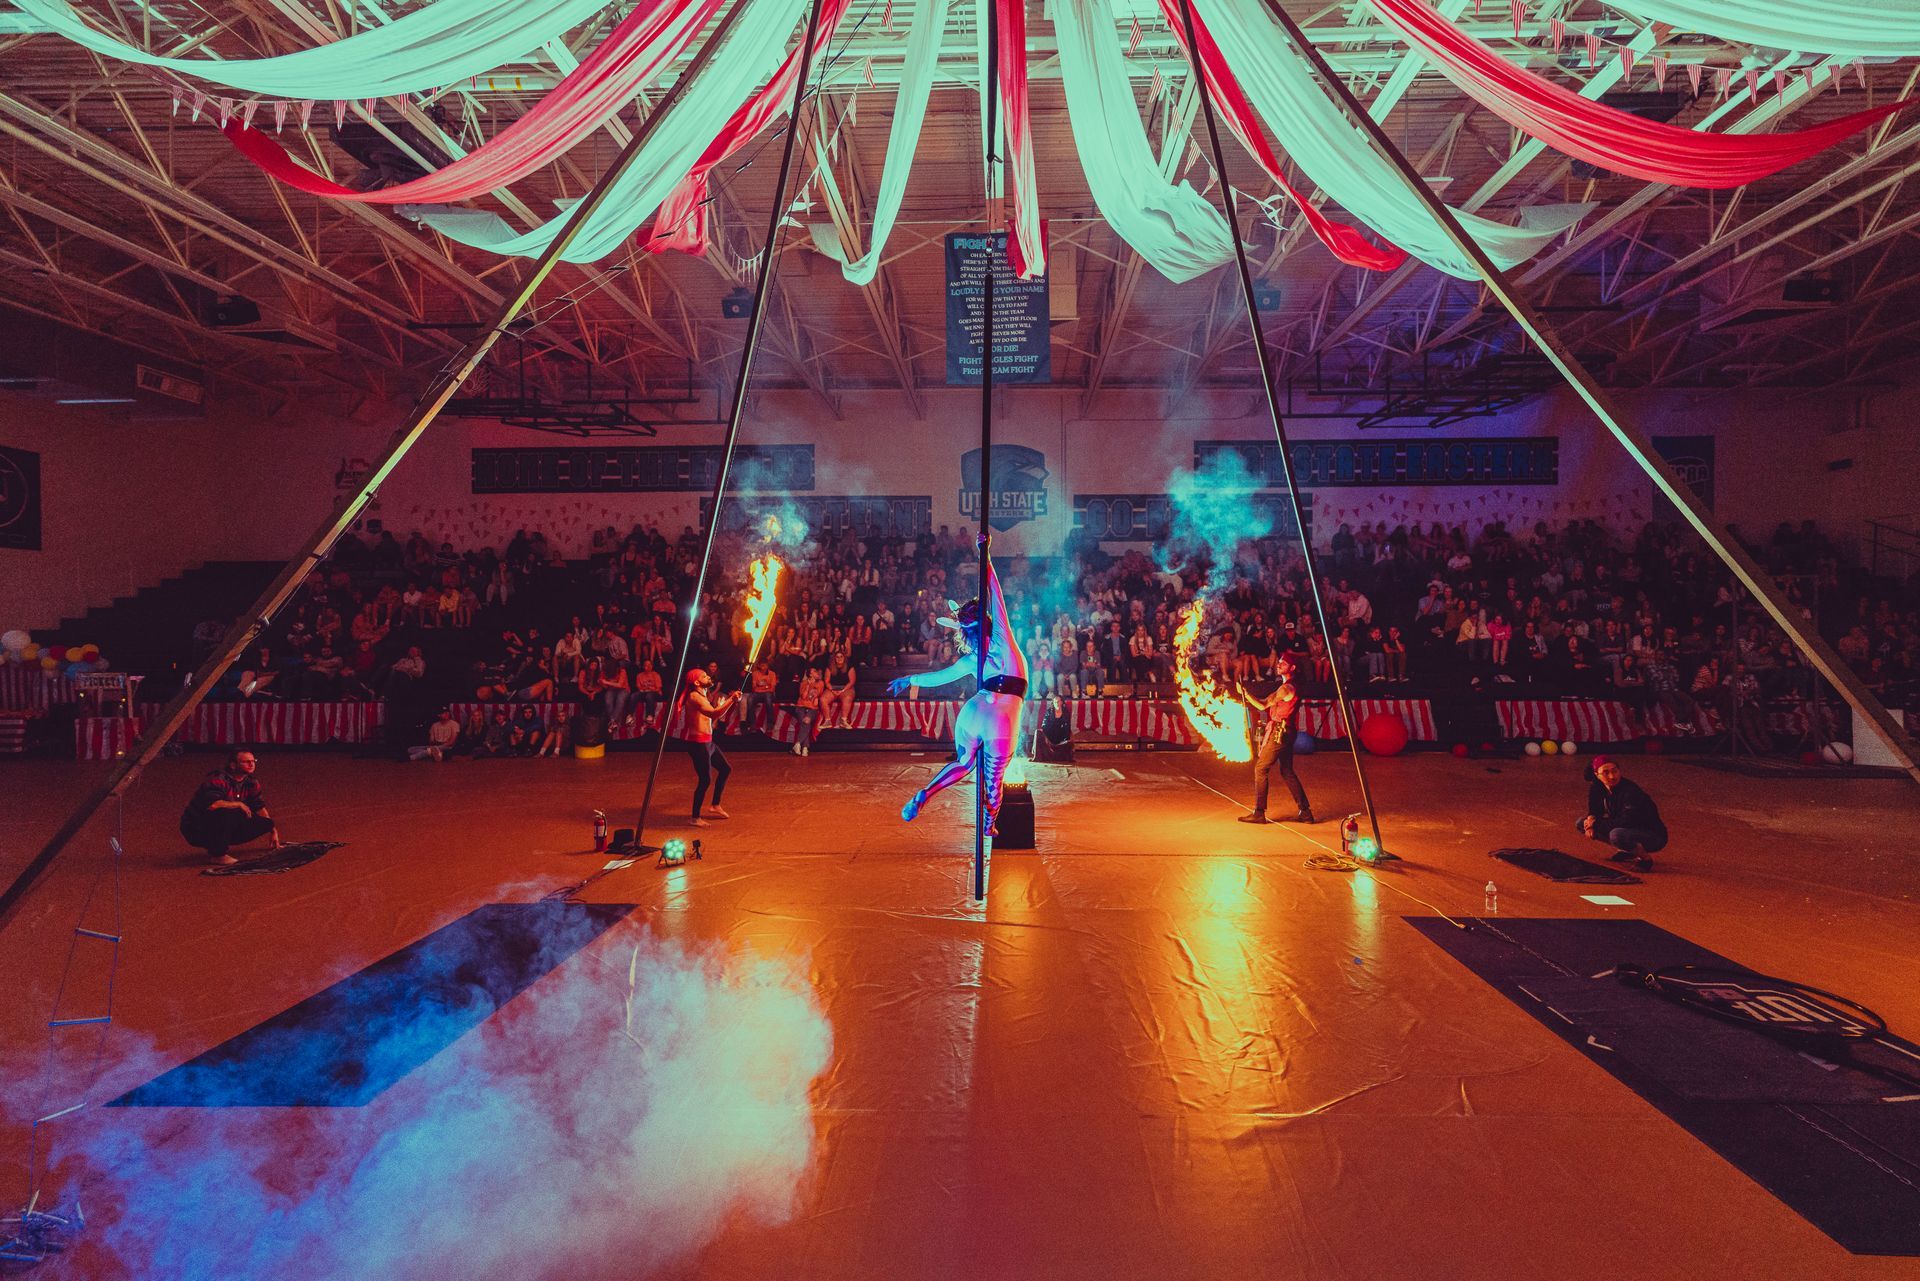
<point>1869,28</point>
<point>903,138</point>
<point>1341,159</point>
<point>1230,102</point>
<point>434,46</point>
<point>1026,239</point>
<point>1169,224</point>
<point>1603,135</point>
<point>753,49</point>
<point>593,93</point>
<point>682,220</point>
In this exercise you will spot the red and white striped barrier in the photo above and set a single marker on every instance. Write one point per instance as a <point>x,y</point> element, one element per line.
<point>1580,720</point>
<point>13,733</point>
<point>103,738</point>
<point>33,689</point>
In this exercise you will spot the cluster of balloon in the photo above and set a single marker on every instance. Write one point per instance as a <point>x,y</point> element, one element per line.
<point>1547,747</point>
<point>17,646</point>
<point>1837,754</point>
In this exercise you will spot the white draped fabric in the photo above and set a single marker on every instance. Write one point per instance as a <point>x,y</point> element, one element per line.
<point>1310,126</point>
<point>436,45</point>
<point>903,139</point>
<point>1868,28</point>
<point>1169,224</point>
<point>754,48</point>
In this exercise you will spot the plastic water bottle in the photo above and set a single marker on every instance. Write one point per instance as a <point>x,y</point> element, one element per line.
<point>1493,899</point>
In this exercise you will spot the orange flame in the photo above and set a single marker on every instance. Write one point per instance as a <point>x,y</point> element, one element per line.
<point>1220,718</point>
<point>762,583</point>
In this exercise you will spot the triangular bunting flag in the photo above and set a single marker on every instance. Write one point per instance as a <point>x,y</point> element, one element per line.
<point>247,109</point>
<point>367,108</point>
<point>1693,77</point>
<point>1158,86</point>
<point>853,109</point>
<point>1659,71</point>
<point>1557,30</point>
<point>886,19</point>
<point>1519,15</point>
<point>306,111</point>
<point>1134,37</point>
<point>279,116</point>
<point>176,100</point>
<point>399,106</point>
<point>1476,8</point>
<point>1626,63</point>
<point>1806,79</point>
<point>226,110</point>
<point>198,100</point>
<point>1860,72</point>
<point>867,71</point>
<point>1593,49</point>
<point>339,114</point>
<point>1779,82</point>
<point>1753,83</point>
<point>1722,77</point>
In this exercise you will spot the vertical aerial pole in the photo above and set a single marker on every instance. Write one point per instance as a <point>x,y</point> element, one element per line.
<point>1195,60</point>
<point>1752,575</point>
<point>992,151</point>
<point>258,616</point>
<point>769,259</point>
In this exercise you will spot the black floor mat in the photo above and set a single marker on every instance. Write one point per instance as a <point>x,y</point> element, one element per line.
<point>285,859</point>
<point>1822,1138</point>
<point>1557,865</point>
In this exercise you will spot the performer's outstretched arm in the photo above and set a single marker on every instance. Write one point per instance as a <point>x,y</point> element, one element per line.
<point>997,602</point>
<point>958,669</point>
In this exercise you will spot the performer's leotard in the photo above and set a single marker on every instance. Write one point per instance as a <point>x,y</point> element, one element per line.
<point>988,727</point>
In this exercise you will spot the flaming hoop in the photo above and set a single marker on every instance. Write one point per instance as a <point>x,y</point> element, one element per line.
<point>763,582</point>
<point>1216,715</point>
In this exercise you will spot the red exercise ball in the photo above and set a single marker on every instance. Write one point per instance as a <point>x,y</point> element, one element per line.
<point>1383,734</point>
<point>1655,747</point>
<point>1461,750</point>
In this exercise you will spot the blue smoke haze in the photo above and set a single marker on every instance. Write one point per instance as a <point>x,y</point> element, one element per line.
<point>1213,516</point>
<point>623,1108</point>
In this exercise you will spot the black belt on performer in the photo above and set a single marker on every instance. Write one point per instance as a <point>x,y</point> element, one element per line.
<point>1007,685</point>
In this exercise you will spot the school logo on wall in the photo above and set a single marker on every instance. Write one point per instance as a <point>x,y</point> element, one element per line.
<point>1018,491</point>
<point>1692,457</point>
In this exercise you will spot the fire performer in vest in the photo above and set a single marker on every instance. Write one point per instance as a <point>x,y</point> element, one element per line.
<point>709,762</point>
<point>988,727</point>
<point>1275,750</point>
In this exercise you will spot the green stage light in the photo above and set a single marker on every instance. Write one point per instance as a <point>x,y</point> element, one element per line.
<point>1366,849</point>
<point>674,851</point>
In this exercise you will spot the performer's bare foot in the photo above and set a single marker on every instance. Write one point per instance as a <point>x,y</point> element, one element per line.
<point>714,811</point>
<point>911,810</point>
<point>699,822</point>
<point>1255,818</point>
<point>225,860</point>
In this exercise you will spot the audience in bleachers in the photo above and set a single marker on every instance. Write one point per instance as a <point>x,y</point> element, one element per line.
<point>1574,610</point>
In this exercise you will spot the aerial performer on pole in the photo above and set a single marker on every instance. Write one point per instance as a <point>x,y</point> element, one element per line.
<point>988,727</point>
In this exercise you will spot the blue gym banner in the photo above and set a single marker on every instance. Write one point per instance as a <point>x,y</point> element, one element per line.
<point>1022,337</point>
<point>631,469</point>
<point>1326,464</point>
<point>1148,518</point>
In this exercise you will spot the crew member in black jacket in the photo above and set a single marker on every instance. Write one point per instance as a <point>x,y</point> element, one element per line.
<point>1621,814</point>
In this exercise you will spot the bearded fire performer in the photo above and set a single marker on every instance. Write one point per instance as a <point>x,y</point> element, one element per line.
<point>988,727</point>
<point>1282,711</point>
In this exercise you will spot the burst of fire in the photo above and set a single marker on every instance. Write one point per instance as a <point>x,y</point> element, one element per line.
<point>1219,717</point>
<point>763,581</point>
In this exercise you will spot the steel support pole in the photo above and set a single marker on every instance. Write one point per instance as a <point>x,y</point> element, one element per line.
<point>990,128</point>
<point>770,259</point>
<point>1265,361</point>
<point>1752,575</point>
<point>128,769</point>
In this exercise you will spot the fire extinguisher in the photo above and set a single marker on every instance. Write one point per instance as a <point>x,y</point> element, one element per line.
<point>599,831</point>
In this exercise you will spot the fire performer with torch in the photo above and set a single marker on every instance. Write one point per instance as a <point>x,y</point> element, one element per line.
<point>987,731</point>
<point>1282,711</point>
<point>710,765</point>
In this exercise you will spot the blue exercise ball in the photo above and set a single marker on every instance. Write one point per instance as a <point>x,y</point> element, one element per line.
<point>1303,744</point>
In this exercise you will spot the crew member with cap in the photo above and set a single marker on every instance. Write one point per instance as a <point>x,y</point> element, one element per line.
<point>1621,814</point>
<point>709,762</point>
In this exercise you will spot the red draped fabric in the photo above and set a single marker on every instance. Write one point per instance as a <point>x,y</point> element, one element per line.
<point>682,221</point>
<point>631,55</point>
<point>1607,136</point>
<point>1346,243</point>
<point>1026,245</point>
